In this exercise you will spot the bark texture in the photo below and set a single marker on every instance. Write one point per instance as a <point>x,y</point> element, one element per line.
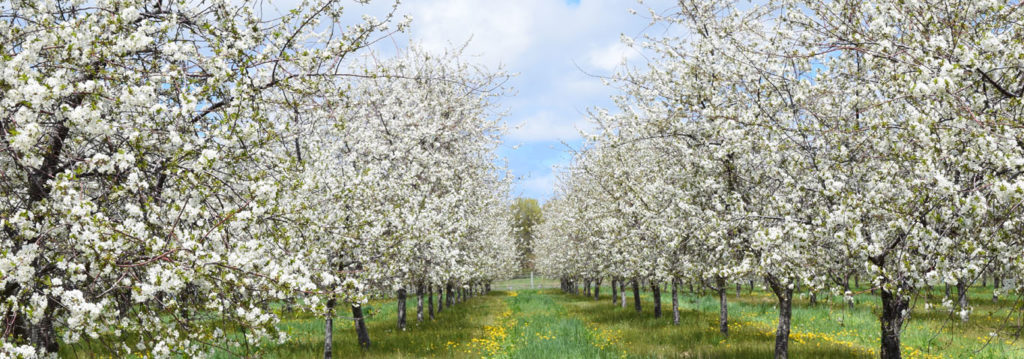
<point>893,307</point>
<point>361,332</point>
<point>329,330</point>
<point>401,309</point>
<point>675,301</point>
<point>636,295</point>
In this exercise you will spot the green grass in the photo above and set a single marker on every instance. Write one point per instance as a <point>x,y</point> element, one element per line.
<point>439,338</point>
<point>547,323</point>
<point>457,324</point>
<point>524,283</point>
<point>929,333</point>
<point>697,336</point>
<point>544,329</point>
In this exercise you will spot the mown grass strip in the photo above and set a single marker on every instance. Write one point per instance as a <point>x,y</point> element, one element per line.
<point>544,330</point>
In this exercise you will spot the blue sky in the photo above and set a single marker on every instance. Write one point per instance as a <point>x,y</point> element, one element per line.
<point>549,44</point>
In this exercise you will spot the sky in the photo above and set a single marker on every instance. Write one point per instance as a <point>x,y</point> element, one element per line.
<point>558,49</point>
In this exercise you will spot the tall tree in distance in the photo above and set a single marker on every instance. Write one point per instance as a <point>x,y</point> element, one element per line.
<point>526,215</point>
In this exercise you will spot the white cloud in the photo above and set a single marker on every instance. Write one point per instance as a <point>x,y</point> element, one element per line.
<point>548,126</point>
<point>500,31</point>
<point>610,56</point>
<point>544,183</point>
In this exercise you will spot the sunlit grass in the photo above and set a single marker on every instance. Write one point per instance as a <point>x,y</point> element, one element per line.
<point>929,333</point>
<point>549,324</point>
<point>459,324</point>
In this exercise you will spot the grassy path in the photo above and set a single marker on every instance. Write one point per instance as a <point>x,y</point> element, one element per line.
<point>543,329</point>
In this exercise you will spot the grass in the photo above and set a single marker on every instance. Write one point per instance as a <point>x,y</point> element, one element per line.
<point>459,324</point>
<point>524,283</point>
<point>447,336</point>
<point>546,323</point>
<point>544,329</point>
<point>929,333</point>
<point>697,336</point>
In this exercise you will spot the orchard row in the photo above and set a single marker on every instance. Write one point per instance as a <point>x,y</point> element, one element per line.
<point>802,144</point>
<point>173,171</point>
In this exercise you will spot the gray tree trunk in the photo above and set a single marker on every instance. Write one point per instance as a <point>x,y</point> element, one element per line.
<point>782,332</point>
<point>961,293</point>
<point>430,300</point>
<point>723,306</point>
<point>622,293</point>
<point>996,283</point>
<point>329,330</point>
<point>361,332</point>
<point>636,294</point>
<point>597,289</point>
<point>656,293</point>
<point>675,301</point>
<point>401,309</point>
<point>892,318</point>
<point>419,303</point>
<point>846,286</point>
<point>615,291</point>
<point>449,291</point>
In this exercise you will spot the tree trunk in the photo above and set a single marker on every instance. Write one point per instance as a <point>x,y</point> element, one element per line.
<point>329,329</point>
<point>41,334</point>
<point>430,300</point>
<point>656,292</point>
<point>361,331</point>
<point>813,298</point>
<point>419,303</point>
<point>961,293</point>
<point>846,286</point>
<point>615,291</point>
<point>751,291</point>
<point>597,289</point>
<point>401,309</point>
<point>996,284</point>
<point>893,307</point>
<point>785,296</point>
<point>448,300</point>
<point>440,299</point>
<point>586,287</point>
<point>739,289</point>
<point>675,301</point>
<point>636,294</point>
<point>723,306</point>
<point>622,293</point>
